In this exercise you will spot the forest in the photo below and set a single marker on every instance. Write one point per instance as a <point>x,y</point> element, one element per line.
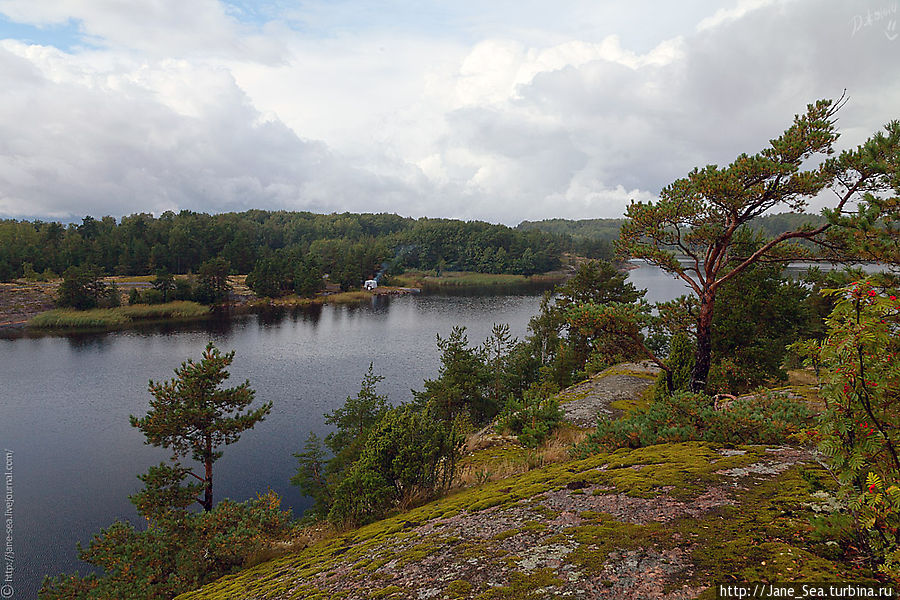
<point>350,247</point>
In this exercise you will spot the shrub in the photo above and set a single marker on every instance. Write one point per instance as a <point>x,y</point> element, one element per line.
<point>179,552</point>
<point>761,419</point>
<point>184,290</point>
<point>82,288</point>
<point>859,431</point>
<point>153,296</point>
<point>531,419</point>
<point>409,456</point>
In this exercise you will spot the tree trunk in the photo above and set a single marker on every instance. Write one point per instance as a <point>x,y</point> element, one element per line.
<point>704,344</point>
<point>207,495</point>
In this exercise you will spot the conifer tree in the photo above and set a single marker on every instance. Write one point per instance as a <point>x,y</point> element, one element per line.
<point>193,417</point>
<point>698,217</point>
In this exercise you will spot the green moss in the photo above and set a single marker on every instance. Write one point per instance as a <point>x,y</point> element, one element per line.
<point>528,527</point>
<point>459,589</point>
<point>766,537</point>
<point>630,405</point>
<point>388,593</point>
<point>606,534</point>
<point>623,370</point>
<point>494,456</point>
<point>769,523</point>
<point>570,396</point>
<point>684,470</point>
<point>523,586</point>
<point>417,552</point>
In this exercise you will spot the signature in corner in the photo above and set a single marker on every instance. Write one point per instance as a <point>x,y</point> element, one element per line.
<point>887,13</point>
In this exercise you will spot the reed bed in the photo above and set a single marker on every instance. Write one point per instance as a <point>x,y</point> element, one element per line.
<point>466,278</point>
<point>64,318</point>
<point>113,318</point>
<point>180,309</point>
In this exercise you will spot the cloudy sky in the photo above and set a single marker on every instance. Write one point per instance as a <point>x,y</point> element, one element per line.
<point>502,110</point>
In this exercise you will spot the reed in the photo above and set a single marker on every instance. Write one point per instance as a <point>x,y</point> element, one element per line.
<point>113,318</point>
<point>64,318</point>
<point>180,309</point>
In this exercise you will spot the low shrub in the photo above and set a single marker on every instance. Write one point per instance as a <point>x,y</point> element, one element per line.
<point>531,419</point>
<point>764,418</point>
<point>410,456</point>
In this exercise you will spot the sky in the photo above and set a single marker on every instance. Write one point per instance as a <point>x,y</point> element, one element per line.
<point>498,111</point>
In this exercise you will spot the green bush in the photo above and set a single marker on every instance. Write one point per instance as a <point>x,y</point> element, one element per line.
<point>859,431</point>
<point>761,419</point>
<point>82,288</point>
<point>531,419</point>
<point>153,296</point>
<point>409,456</point>
<point>179,552</point>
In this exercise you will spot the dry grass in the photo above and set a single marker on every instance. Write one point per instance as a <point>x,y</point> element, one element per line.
<point>422,279</point>
<point>802,377</point>
<point>336,298</point>
<point>348,297</point>
<point>61,318</point>
<point>301,538</point>
<point>491,457</point>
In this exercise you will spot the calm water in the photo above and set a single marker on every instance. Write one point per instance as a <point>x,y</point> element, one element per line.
<point>65,402</point>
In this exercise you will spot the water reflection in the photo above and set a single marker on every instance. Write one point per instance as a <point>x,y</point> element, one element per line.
<point>66,401</point>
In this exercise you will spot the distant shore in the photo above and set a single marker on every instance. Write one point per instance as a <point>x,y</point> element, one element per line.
<point>31,304</point>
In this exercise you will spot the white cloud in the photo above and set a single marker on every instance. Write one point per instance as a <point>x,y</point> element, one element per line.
<point>120,141</point>
<point>726,15</point>
<point>572,115</point>
<point>154,28</point>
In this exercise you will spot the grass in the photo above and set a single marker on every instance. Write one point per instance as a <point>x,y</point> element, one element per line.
<point>113,318</point>
<point>336,298</point>
<point>495,458</point>
<point>171,310</point>
<point>347,297</point>
<point>62,318</point>
<point>465,279</point>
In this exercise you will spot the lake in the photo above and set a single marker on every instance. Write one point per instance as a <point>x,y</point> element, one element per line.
<point>66,400</point>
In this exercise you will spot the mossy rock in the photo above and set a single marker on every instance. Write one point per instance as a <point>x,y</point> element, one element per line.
<point>689,514</point>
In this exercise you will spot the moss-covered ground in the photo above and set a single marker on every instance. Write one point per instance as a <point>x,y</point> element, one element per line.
<point>666,521</point>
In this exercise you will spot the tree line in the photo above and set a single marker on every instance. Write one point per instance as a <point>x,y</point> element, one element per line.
<point>350,247</point>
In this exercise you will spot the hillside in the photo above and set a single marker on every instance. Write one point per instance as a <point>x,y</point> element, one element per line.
<point>667,521</point>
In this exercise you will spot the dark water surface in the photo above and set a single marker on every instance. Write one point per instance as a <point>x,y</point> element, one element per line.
<point>65,402</point>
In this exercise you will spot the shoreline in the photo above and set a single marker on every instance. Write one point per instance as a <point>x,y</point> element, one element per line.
<point>21,302</point>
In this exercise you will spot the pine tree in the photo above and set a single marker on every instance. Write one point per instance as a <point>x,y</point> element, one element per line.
<point>698,217</point>
<point>193,417</point>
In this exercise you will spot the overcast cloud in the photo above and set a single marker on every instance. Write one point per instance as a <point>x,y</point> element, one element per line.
<point>523,110</point>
